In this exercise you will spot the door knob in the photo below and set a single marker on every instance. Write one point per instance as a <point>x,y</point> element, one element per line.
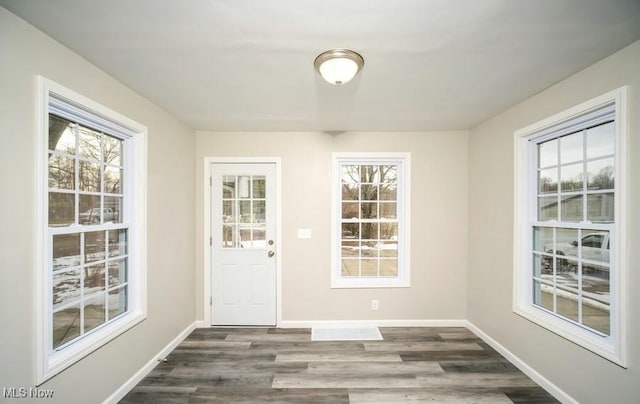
<point>271,254</point>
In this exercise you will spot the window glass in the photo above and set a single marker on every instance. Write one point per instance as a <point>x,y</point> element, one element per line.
<point>84,188</point>
<point>570,264</point>
<point>569,257</point>
<point>369,220</point>
<point>244,211</point>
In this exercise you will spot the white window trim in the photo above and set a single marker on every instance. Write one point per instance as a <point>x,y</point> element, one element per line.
<point>403,279</point>
<point>135,187</point>
<point>613,347</point>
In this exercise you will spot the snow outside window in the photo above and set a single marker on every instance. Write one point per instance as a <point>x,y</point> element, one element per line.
<point>93,255</point>
<point>370,221</point>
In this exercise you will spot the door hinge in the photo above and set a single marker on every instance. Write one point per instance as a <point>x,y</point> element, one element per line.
<point>210,300</point>
<point>210,181</point>
<point>210,241</point>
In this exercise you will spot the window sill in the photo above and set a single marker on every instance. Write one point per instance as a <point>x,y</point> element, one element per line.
<point>360,283</point>
<point>59,360</point>
<point>602,345</point>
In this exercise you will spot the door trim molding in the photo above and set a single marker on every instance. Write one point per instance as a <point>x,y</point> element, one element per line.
<point>208,161</point>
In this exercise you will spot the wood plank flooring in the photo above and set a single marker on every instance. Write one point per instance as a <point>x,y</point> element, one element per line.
<point>270,365</point>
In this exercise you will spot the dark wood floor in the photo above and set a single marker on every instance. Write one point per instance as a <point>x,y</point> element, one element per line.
<point>253,365</point>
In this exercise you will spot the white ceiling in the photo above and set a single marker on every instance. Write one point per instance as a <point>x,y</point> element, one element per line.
<point>248,64</point>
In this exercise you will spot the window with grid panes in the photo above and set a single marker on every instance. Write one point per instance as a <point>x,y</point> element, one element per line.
<point>93,271</point>
<point>243,209</point>
<point>370,226</point>
<point>568,262</point>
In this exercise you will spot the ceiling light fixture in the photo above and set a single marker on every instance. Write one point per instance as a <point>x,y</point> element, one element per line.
<point>338,66</point>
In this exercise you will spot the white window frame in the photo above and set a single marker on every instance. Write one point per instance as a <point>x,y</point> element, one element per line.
<point>403,160</point>
<point>612,347</point>
<point>54,96</point>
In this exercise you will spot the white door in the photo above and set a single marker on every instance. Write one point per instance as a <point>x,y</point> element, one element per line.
<point>243,216</point>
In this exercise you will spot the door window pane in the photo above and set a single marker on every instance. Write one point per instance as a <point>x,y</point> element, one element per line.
<point>243,187</point>
<point>228,211</point>
<point>259,187</point>
<point>245,212</point>
<point>259,211</point>
<point>228,186</point>
<point>229,236</point>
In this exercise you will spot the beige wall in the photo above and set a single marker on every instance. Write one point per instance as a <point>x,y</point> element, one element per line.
<point>438,225</point>
<point>25,53</point>
<point>585,376</point>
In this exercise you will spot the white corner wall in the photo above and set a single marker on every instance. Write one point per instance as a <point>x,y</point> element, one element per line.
<point>581,374</point>
<point>25,53</point>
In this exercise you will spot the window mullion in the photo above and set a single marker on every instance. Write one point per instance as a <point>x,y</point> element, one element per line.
<point>585,272</point>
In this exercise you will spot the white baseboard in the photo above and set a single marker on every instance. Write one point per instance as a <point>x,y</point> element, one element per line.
<point>201,324</point>
<point>554,390</point>
<point>376,323</point>
<point>148,367</point>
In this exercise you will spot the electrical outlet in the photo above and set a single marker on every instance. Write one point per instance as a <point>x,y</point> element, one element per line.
<point>374,305</point>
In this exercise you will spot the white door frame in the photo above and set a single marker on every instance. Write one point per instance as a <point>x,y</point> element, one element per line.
<point>207,228</point>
